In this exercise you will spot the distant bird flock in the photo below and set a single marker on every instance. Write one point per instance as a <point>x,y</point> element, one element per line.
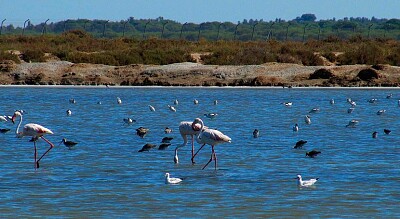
<point>194,130</point>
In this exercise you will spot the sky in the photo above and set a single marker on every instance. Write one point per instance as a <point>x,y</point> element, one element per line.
<point>197,11</point>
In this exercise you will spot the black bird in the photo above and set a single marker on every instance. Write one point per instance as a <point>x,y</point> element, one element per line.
<point>256,133</point>
<point>166,139</point>
<point>4,130</point>
<point>141,131</point>
<point>387,131</point>
<point>300,144</point>
<point>68,144</point>
<point>312,153</point>
<point>147,147</point>
<point>374,134</point>
<point>163,146</point>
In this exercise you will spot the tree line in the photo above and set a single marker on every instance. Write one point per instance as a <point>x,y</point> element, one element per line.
<point>302,28</point>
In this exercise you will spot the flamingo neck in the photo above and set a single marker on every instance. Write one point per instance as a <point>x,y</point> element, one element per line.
<point>19,124</point>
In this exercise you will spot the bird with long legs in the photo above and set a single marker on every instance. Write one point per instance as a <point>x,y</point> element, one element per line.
<point>187,128</point>
<point>211,137</point>
<point>35,131</point>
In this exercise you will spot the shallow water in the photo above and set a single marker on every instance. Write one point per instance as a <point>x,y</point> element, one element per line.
<point>105,176</point>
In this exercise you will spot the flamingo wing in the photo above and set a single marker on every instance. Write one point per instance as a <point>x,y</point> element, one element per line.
<point>32,129</point>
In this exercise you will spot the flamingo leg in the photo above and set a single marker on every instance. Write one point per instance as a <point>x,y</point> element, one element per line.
<point>51,146</point>
<point>35,153</point>
<point>197,152</point>
<point>192,150</point>
<point>215,159</point>
<point>212,156</point>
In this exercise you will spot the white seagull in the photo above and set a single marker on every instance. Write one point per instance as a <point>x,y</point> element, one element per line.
<point>287,103</point>
<point>332,101</point>
<point>296,128</point>
<point>307,119</point>
<point>352,123</point>
<point>195,101</point>
<point>172,108</point>
<point>211,115</point>
<point>314,110</point>
<point>119,101</point>
<point>215,102</point>
<point>152,108</point>
<point>69,112</point>
<point>305,183</point>
<point>176,102</point>
<point>380,112</point>
<point>171,180</point>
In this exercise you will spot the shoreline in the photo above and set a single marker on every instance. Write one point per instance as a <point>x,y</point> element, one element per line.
<point>197,87</point>
<point>190,74</point>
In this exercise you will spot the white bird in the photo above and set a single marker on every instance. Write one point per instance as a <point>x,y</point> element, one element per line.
<point>314,110</point>
<point>215,102</point>
<point>172,108</point>
<point>119,101</point>
<point>152,108</point>
<point>332,101</point>
<point>176,102</point>
<point>307,119</point>
<point>171,180</point>
<point>195,101</point>
<point>187,128</point>
<point>3,119</point>
<point>380,112</point>
<point>35,131</point>
<point>211,137</point>
<point>352,123</point>
<point>305,183</point>
<point>350,110</point>
<point>211,115</point>
<point>287,103</point>
<point>69,112</point>
<point>296,127</point>
<point>129,121</point>
<point>353,103</point>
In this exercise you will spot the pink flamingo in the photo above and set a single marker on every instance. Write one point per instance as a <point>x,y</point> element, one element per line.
<point>187,128</point>
<point>34,130</point>
<point>211,137</point>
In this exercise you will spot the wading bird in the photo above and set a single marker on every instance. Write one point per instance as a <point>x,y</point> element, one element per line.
<point>187,128</point>
<point>35,131</point>
<point>211,137</point>
<point>68,144</point>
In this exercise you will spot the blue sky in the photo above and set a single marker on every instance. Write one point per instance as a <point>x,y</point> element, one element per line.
<point>196,11</point>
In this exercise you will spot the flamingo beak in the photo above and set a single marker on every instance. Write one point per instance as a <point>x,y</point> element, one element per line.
<point>13,119</point>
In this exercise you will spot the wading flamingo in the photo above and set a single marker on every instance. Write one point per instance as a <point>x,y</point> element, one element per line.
<point>35,131</point>
<point>211,137</point>
<point>187,128</point>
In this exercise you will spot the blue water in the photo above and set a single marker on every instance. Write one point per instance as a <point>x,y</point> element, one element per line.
<point>104,176</point>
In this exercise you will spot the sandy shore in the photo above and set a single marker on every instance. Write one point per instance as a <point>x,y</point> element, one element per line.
<point>196,74</point>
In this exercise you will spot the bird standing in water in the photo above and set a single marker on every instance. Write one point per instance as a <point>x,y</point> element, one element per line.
<point>35,131</point>
<point>211,137</point>
<point>68,144</point>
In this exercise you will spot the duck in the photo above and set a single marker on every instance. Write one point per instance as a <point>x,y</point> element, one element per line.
<point>147,147</point>
<point>300,144</point>
<point>312,153</point>
<point>141,131</point>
